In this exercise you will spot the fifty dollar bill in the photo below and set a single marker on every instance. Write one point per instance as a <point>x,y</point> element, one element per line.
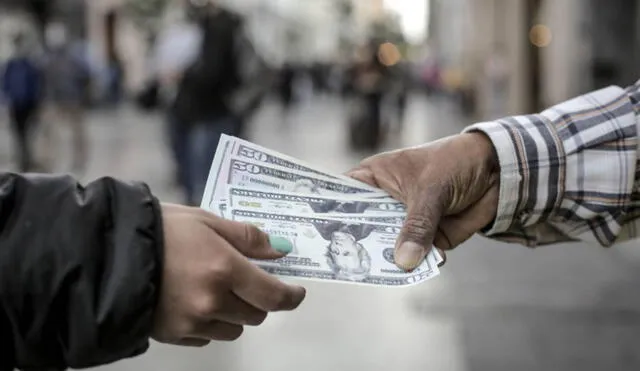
<point>229,147</point>
<point>239,172</point>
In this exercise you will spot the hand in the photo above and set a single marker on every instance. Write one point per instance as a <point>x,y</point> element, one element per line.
<point>209,289</point>
<point>450,187</point>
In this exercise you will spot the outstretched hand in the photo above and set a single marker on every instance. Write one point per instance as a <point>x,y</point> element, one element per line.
<point>450,188</point>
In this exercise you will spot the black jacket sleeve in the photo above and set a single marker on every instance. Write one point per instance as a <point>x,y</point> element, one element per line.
<point>80,270</point>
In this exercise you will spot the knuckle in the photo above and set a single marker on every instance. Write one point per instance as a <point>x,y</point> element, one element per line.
<point>206,306</point>
<point>220,274</point>
<point>203,213</point>
<point>418,226</point>
<point>253,236</point>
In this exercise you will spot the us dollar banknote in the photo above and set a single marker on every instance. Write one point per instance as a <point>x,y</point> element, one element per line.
<point>250,151</point>
<point>296,203</point>
<point>253,152</point>
<point>260,175</point>
<point>336,250</point>
<point>230,147</point>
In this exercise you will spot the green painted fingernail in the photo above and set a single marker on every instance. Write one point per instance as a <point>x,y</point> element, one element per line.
<point>280,244</point>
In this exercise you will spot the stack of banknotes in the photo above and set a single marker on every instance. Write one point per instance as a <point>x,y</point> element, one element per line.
<point>341,230</point>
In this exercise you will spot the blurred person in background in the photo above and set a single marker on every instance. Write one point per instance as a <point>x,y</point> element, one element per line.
<point>67,81</point>
<point>91,273</point>
<point>22,84</point>
<point>370,83</point>
<point>210,98</point>
<point>115,79</point>
<point>401,82</point>
<point>177,48</point>
<point>286,84</point>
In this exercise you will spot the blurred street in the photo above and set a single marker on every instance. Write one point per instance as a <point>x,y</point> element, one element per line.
<point>495,307</point>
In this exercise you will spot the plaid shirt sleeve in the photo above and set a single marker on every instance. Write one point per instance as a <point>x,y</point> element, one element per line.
<point>570,173</point>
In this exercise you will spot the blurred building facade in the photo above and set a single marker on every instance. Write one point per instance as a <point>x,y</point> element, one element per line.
<point>614,34</point>
<point>469,36</point>
<point>547,50</point>
<point>307,31</point>
<point>301,31</point>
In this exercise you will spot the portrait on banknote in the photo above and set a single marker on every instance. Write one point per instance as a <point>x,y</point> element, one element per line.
<point>346,256</point>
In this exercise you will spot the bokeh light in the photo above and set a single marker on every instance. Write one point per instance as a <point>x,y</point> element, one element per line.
<point>389,54</point>
<point>540,35</point>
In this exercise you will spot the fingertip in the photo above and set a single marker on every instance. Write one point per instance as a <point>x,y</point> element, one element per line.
<point>281,245</point>
<point>273,248</point>
<point>409,255</point>
<point>193,343</point>
<point>300,293</point>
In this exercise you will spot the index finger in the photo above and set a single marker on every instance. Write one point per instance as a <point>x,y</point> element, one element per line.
<point>264,291</point>
<point>246,238</point>
<point>363,175</point>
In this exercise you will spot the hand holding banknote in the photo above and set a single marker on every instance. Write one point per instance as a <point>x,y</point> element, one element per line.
<point>209,289</point>
<point>448,197</point>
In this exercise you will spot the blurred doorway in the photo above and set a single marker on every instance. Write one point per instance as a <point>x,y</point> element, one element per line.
<point>111,25</point>
<point>615,42</point>
<point>534,56</point>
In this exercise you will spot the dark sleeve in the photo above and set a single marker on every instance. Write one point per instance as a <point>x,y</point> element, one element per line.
<point>80,270</point>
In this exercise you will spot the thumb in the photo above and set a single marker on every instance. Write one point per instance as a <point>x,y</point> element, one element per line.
<point>416,238</point>
<point>249,240</point>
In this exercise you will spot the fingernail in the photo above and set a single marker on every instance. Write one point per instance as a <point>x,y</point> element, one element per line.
<point>280,244</point>
<point>409,255</point>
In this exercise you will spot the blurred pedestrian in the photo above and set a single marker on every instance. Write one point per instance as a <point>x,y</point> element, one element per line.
<point>177,49</point>
<point>115,79</point>
<point>401,81</point>
<point>370,86</point>
<point>206,104</point>
<point>67,79</point>
<point>22,87</point>
<point>285,86</point>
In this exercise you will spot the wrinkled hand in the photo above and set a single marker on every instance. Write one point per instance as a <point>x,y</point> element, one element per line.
<point>450,188</point>
<point>209,289</point>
